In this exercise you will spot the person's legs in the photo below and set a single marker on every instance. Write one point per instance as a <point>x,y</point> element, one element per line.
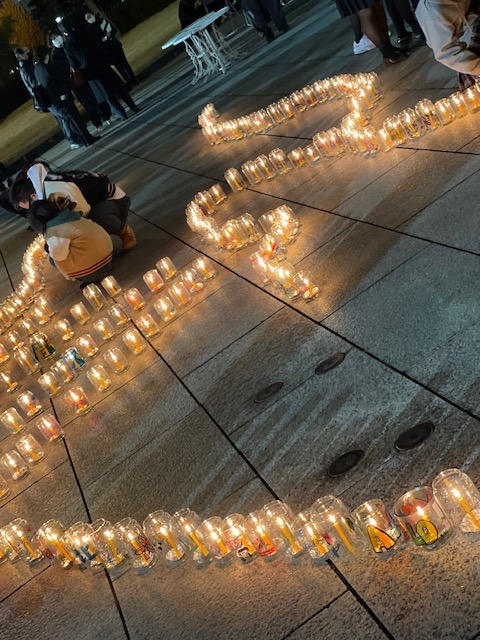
<point>278,16</point>
<point>373,22</point>
<point>76,124</point>
<point>357,29</point>
<point>96,276</point>
<point>396,19</point>
<point>58,113</point>
<point>256,15</point>
<point>404,9</point>
<point>112,215</point>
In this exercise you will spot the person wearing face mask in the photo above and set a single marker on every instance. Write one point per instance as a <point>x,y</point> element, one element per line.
<point>60,103</point>
<point>84,53</point>
<point>105,33</point>
<point>98,114</point>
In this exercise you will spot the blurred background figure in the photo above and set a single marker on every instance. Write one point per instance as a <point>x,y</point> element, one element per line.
<point>85,53</point>
<point>105,33</point>
<point>261,12</point>
<point>373,24</point>
<point>401,13</point>
<point>189,11</point>
<point>27,72</point>
<point>98,114</point>
<point>58,100</point>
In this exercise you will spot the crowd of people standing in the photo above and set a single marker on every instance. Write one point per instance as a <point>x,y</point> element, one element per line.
<point>78,63</point>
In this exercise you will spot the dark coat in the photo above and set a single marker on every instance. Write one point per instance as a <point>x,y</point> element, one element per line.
<point>52,80</point>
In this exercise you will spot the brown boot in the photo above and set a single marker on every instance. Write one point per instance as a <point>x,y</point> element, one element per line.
<point>127,237</point>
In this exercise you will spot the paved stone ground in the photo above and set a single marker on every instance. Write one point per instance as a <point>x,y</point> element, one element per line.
<point>394,243</point>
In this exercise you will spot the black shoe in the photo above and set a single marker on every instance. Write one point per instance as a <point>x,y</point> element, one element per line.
<point>399,55</point>
<point>94,139</point>
<point>269,37</point>
<point>136,109</point>
<point>285,29</point>
<point>418,40</point>
<point>404,41</point>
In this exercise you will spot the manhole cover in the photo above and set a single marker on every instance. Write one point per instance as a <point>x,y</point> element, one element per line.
<point>330,363</point>
<point>268,392</point>
<point>414,437</point>
<point>345,462</point>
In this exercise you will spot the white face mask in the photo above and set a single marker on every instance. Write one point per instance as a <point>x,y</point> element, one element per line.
<point>57,41</point>
<point>90,19</point>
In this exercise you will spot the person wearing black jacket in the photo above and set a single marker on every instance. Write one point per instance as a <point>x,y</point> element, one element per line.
<point>105,33</point>
<point>27,73</point>
<point>84,52</point>
<point>61,105</point>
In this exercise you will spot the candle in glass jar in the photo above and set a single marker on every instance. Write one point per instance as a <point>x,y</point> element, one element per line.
<point>50,428</point>
<point>204,268</point>
<point>134,342</point>
<point>87,345</point>
<point>118,314</point>
<point>10,383</point>
<point>444,111</point>
<point>135,299</point>
<point>30,450</point>
<point>298,158</point>
<point>3,354</point>
<point>94,296</point>
<point>206,202</point>
<point>217,193</point>
<point>14,339</point>
<point>29,404</point>
<point>44,304</point>
<point>80,313</point>
<point>148,326</point>
<point>192,280</point>
<point>472,99</point>
<point>49,383</point>
<point>28,326</point>
<point>265,167</point>
<point>65,328</point>
<point>99,378</point>
<point>308,289</point>
<point>312,153</point>
<point>235,180</point>
<point>251,172</point>
<point>116,360</point>
<point>111,286</point>
<point>166,268</point>
<point>14,464</point>
<point>77,400</point>
<point>64,371</point>
<point>104,329</point>
<point>280,161</point>
<point>165,308</point>
<point>154,281</point>
<point>179,294</point>
<point>12,421</point>
<point>26,360</point>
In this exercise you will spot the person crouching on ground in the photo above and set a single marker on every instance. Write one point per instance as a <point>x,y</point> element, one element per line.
<point>78,247</point>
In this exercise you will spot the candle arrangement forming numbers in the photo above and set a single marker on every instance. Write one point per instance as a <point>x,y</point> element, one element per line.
<point>424,519</point>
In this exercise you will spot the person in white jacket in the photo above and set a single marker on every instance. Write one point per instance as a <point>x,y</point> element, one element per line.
<point>447,27</point>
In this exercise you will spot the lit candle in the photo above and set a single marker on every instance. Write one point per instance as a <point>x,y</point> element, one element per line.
<point>4,356</point>
<point>311,153</point>
<point>80,313</point>
<point>179,294</point>
<point>94,296</point>
<point>200,546</point>
<point>206,202</point>
<point>338,528</point>
<point>77,400</point>
<point>14,464</point>
<point>99,378</point>
<point>30,449</point>
<point>235,180</point>
<point>64,371</point>
<point>60,547</point>
<point>192,280</point>
<point>14,339</point>
<point>305,285</point>
<point>30,550</point>
<point>49,383</point>
<point>265,167</point>
<point>251,172</point>
<point>12,421</point>
<point>111,286</point>
<point>166,268</point>
<point>154,281</point>
<point>148,326</point>
<point>25,359</point>
<point>169,538</point>
<point>29,403</point>
<point>50,428</point>
<point>65,328</point>
<point>138,549</point>
<point>116,557</point>
<point>204,267</point>
<point>104,329</point>
<point>118,313</point>
<point>285,529</point>
<point>135,299</point>
<point>116,359</point>
<point>316,541</point>
<point>444,111</point>
<point>87,345</point>
<point>165,308</point>
<point>465,506</point>
<point>217,193</point>
<point>220,543</point>
<point>133,340</point>
<point>28,326</point>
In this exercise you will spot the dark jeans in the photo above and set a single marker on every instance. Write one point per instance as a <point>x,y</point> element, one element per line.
<point>261,12</point>
<point>71,123</point>
<point>111,214</point>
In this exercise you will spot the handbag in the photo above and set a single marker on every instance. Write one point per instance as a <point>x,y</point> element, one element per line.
<point>78,78</point>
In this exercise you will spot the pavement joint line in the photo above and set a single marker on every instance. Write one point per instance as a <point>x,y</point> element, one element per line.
<point>42,477</point>
<point>45,568</point>
<point>302,204</point>
<point>314,615</point>
<point>360,600</point>
<point>349,341</point>
<point>222,431</point>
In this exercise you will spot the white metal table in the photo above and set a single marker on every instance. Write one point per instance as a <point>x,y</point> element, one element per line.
<point>206,46</point>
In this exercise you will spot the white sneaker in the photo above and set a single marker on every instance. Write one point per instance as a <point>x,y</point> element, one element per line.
<point>75,146</point>
<point>364,45</point>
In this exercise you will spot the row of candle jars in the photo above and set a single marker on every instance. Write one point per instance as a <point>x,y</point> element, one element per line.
<point>425,515</point>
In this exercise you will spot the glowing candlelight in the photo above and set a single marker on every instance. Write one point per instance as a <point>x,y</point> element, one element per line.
<point>235,180</point>
<point>116,359</point>
<point>99,378</point>
<point>111,286</point>
<point>77,400</point>
<point>166,268</point>
<point>87,345</point>
<point>179,294</point>
<point>30,449</point>
<point>148,326</point>
<point>49,383</point>
<point>154,281</point>
<point>25,359</point>
<point>217,193</point>
<point>65,328</point>
<point>285,529</point>
<point>104,329</point>
<point>135,299</point>
<point>338,528</point>
<point>133,341</point>
<point>29,403</point>
<point>14,464</point>
<point>165,308</point>
<point>50,428</point>
<point>118,314</point>
<point>465,506</point>
<point>80,313</point>
<point>200,546</point>
<point>169,538</point>
<point>94,296</point>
